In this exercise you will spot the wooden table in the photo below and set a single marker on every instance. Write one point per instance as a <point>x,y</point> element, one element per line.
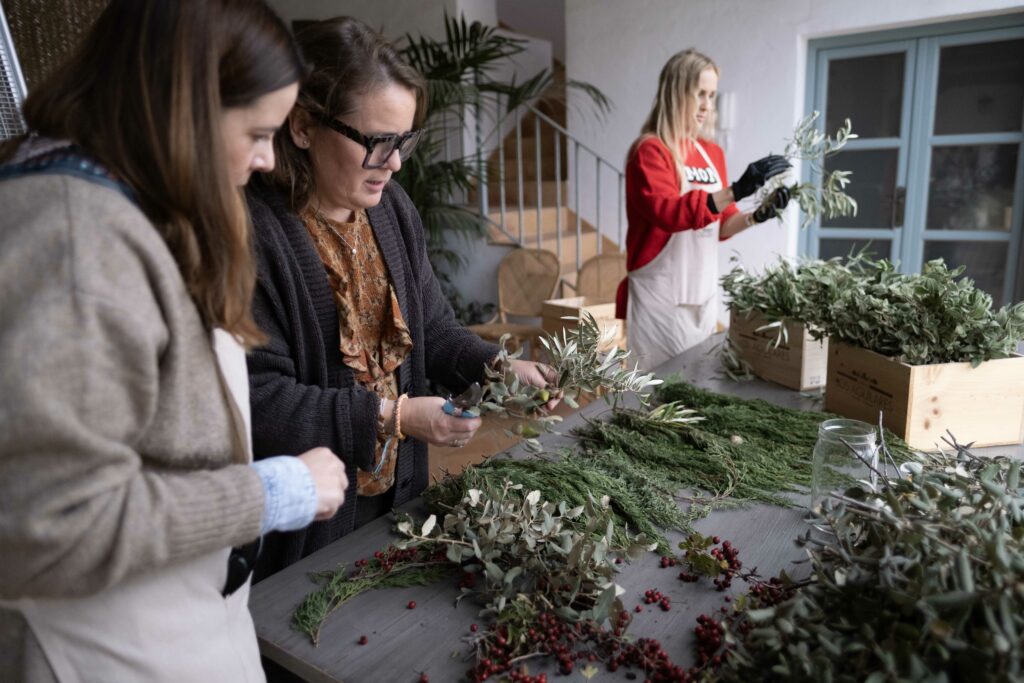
<point>403,642</point>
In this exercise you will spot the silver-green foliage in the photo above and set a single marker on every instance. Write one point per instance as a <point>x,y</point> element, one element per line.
<point>784,292</point>
<point>539,554</point>
<point>920,580</point>
<point>935,316</point>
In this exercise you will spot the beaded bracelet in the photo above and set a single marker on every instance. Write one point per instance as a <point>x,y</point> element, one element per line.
<point>398,417</point>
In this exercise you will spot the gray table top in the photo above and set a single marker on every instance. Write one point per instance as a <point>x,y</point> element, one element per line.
<point>403,642</point>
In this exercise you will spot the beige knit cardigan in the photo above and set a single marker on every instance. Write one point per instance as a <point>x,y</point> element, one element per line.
<point>116,442</point>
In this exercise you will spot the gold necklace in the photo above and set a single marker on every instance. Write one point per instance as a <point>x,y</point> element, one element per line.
<point>322,220</point>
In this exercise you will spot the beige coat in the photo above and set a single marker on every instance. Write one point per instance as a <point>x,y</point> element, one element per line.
<point>122,481</point>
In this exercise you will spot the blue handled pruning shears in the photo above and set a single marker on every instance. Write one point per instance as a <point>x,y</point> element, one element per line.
<point>465,403</point>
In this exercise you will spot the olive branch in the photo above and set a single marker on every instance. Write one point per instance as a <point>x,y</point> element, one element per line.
<point>828,197</point>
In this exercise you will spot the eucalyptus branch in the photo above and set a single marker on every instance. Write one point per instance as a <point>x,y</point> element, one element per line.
<point>918,578</point>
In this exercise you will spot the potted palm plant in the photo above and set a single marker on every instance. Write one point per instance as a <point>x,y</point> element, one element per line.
<point>461,72</point>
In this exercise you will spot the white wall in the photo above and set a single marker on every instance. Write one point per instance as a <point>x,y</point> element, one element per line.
<point>761,51</point>
<point>393,18</point>
<point>539,18</point>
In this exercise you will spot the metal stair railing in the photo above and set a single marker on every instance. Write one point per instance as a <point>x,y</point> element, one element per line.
<point>12,85</point>
<point>578,154</point>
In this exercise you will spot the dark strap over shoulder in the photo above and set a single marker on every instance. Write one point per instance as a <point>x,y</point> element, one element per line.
<point>68,160</point>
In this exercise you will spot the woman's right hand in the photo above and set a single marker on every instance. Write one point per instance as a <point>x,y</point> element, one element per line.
<point>329,479</point>
<point>424,418</point>
<point>757,174</point>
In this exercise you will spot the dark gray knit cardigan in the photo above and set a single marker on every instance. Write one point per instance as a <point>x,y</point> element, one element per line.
<point>302,393</point>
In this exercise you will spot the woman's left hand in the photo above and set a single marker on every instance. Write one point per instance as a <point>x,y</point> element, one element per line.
<point>537,375</point>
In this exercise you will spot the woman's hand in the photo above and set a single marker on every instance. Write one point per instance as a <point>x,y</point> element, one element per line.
<point>329,479</point>
<point>537,375</point>
<point>757,174</point>
<point>424,418</point>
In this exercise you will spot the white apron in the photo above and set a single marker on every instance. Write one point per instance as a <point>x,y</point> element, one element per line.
<point>673,300</point>
<point>168,625</point>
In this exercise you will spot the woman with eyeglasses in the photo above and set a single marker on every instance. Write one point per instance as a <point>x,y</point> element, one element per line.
<point>127,276</point>
<point>356,318</point>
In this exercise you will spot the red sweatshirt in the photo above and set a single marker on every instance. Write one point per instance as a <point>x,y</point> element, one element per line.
<point>654,207</point>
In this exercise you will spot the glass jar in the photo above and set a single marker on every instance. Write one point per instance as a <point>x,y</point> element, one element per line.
<point>838,441</point>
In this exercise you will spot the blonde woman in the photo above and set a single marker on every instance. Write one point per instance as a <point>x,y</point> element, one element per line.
<point>679,206</point>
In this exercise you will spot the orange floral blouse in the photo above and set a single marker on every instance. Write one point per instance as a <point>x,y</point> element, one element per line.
<point>374,339</point>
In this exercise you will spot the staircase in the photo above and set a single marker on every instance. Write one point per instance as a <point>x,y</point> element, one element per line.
<point>539,184</point>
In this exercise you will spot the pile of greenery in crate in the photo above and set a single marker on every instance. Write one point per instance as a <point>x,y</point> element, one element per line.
<point>935,316</point>
<point>919,580</point>
<point>804,292</point>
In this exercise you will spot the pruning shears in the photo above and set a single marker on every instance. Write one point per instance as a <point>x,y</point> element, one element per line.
<point>465,404</point>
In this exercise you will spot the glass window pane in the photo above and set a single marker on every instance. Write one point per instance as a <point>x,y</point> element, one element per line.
<point>877,249</point>
<point>985,261</point>
<point>981,88</point>
<point>869,92</point>
<point>971,187</point>
<point>872,184</point>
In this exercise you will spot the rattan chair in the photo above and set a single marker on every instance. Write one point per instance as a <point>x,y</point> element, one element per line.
<point>599,276</point>
<point>526,279</point>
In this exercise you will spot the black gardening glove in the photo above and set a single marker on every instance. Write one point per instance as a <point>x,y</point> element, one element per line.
<point>773,206</point>
<point>756,175</point>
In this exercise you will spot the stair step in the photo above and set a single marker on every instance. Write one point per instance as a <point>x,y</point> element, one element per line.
<point>548,190</point>
<point>546,221</point>
<point>567,260</point>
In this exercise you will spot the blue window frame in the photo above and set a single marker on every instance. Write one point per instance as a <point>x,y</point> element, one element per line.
<point>939,169</point>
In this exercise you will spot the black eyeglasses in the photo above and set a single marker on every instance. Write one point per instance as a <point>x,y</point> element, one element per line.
<point>379,148</point>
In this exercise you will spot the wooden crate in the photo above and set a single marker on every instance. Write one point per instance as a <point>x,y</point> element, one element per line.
<point>798,363</point>
<point>603,311</point>
<point>920,402</point>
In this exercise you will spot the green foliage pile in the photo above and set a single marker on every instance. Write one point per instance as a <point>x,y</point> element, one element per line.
<point>543,555</point>
<point>739,451</point>
<point>919,581</point>
<point>804,293</point>
<point>746,450</point>
<point>936,316</point>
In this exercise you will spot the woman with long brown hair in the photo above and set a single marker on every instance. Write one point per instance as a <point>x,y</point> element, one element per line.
<point>131,508</point>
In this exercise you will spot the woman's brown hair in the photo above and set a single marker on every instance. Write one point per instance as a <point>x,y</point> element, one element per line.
<point>144,94</point>
<point>347,59</point>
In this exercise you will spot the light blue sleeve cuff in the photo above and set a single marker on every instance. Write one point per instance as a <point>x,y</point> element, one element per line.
<point>289,493</point>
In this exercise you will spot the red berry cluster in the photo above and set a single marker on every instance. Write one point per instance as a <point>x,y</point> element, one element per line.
<point>653,596</point>
<point>466,580</point>
<point>391,556</point>
<point>730,555</point>
<point>648,655</point>
<point>769,593</point>
<point>710,634</point>
<point>727,559</point>
<point>571,643</point>
<point>424,678</point>
<point>667,562</point>
<point>363,640</point>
